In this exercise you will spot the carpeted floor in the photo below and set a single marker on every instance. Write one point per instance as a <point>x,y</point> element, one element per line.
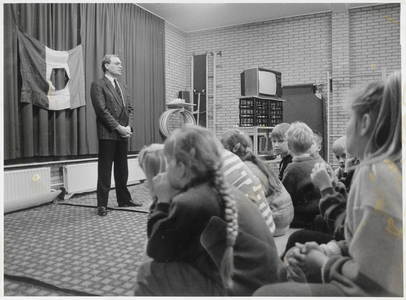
<point>67,249</point>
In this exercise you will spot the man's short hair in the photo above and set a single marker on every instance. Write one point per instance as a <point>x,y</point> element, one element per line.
<point>107,60</point>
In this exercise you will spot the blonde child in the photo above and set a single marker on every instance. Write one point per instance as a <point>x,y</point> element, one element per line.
<point>369,261</point>
<point>345,170</point>
<point>340,152</point>
<point>305,194</point>
<point>152,161</point>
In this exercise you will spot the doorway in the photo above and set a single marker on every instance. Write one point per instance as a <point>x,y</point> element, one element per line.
<point>301,104</point>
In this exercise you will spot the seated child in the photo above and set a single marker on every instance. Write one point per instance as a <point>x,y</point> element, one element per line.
<point>345,170</point>
<point>340,152</point>
<point>278,198</point>
<point>280,146</point>
<point>188,196</point>
<point>369,261</point>
<point>152,161</point>
<point>332,207</point>
<point>240,176</point>
<point>314,150</point>
<point>305,195</point>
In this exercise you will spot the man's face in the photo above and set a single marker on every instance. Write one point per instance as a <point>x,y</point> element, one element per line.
<point>114,67</point>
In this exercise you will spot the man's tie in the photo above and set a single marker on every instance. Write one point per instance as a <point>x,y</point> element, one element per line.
<point>118,91</point>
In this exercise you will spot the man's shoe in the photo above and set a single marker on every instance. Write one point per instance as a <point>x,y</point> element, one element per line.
<point>102,211</point>
<point>129,204</point>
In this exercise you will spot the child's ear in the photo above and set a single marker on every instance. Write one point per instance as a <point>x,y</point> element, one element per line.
<point>365,124</point>
<point>181,169</point>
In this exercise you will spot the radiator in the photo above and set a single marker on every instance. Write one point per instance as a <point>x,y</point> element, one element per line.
<point>82,177</point>
<point>27,183</point>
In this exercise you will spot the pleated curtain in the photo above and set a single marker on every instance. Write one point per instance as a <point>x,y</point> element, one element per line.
<point>138,37</point>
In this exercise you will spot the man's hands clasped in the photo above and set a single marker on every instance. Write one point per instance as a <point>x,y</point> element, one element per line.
<point>125,132</point>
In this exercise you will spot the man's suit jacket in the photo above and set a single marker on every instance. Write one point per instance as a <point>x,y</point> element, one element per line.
<point>109,108</point>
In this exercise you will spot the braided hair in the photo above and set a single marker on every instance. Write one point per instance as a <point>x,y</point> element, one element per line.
<point>200,151</point>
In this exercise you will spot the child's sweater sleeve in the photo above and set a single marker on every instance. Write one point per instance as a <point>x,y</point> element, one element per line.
<point>176,227</point>
<point>332,207</point>
<point>372,266</point>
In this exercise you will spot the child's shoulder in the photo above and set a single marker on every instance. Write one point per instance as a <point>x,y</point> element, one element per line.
<point>384,176</point>
<point>384,169</point>
<point>379,186</point>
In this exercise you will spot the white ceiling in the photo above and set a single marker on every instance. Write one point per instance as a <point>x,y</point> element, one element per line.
<point>200,16</point>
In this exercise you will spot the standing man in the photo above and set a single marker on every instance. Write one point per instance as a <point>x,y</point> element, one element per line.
<point>114,117</point>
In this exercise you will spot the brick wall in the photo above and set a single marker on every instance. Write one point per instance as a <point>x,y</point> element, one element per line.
<point>352,47</point>
<point>175,61</point>
<point>298,47</point>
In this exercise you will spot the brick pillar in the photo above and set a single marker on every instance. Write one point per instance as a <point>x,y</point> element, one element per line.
<point>340,78</point>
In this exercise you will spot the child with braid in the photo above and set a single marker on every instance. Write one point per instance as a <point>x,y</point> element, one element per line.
<point>191,194</point>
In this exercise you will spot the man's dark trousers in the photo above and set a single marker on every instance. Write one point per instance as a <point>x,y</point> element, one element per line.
<point>112,151</point>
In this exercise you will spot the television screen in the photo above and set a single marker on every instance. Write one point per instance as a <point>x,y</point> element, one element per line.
<point>267,82</point>
<point>261,82</point>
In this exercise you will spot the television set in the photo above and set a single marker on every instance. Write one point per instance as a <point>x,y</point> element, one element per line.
<point>260,82</point>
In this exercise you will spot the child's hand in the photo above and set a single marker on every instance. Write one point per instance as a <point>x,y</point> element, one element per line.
<point>162,188</point>
<point>294,272</point>
<point>305,248</point>
<point>312,260</point>
<point>304,262</point>
<point>312,265</point>
<point>295,255</point>
<point>320,176</point>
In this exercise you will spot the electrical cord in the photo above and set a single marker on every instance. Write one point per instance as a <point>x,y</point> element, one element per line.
<point>43,284</point>
<point>188,119</point>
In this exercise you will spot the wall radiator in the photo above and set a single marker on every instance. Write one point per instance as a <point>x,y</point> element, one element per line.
<point>82,177</point>
<point>27,183</point>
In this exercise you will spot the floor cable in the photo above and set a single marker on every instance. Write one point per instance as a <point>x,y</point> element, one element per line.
<point>42,284</point>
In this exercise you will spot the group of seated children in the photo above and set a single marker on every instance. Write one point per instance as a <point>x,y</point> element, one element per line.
<point>217,207</point>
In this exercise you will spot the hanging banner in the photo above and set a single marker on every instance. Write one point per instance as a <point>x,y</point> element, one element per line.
<point>37,65</point>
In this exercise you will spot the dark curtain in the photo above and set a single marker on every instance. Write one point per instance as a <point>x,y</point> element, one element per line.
<point>30,130</point>
<point>124,29</point>
<point>138,38</point>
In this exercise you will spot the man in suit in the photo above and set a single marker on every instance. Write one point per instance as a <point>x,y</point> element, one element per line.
<point>114,117</point>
